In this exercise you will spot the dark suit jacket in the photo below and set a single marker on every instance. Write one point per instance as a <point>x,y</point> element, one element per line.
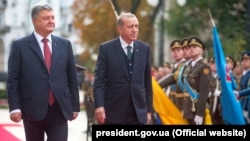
<point>29,82</point>
<point>112,85</point>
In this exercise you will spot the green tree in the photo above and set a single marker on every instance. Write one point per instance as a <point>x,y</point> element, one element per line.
<point>193,19</point>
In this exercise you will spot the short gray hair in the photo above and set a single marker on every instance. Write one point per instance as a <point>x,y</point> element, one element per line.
<point>122,15</point>
<point>39,7</point>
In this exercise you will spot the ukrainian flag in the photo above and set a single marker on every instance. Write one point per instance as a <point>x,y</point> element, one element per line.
<point>168,113</point>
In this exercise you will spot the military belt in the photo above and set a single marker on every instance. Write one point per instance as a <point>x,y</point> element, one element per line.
<point>181,95</point>
<point>172,93</point>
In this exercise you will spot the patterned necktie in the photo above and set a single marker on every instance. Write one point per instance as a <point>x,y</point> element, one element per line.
<point>47,57</point>
<point>129,53</point>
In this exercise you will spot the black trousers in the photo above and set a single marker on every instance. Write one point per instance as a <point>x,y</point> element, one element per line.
<point>131,117</point>
<point>55,126</point>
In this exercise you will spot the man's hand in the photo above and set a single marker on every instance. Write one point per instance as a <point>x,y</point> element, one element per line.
<point>100,115</point>
<point>16,117</point>
<point>75,115</point>
<point>149,116</point>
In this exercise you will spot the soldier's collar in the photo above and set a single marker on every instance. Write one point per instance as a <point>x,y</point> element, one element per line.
<point>195,61</point>
<point>245,72</point>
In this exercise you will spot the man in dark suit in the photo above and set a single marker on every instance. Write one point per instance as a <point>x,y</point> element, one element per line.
<point>42,91</point>
<point>122,85</point>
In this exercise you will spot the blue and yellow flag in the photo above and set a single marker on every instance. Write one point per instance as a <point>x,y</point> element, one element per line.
<point>168,113</point>
<point>231,109</point>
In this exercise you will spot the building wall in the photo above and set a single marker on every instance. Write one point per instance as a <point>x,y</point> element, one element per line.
<point>16,16</point>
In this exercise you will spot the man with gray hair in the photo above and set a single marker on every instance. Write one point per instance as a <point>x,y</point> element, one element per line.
<point>42,85</point>
<point>122,84</point>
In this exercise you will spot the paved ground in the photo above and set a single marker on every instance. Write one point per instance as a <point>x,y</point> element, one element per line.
<point>77,127</point>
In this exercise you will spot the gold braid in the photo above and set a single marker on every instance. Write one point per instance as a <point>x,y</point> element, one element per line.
<point>176,73</point>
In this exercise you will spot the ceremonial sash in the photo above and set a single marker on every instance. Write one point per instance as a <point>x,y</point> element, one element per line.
<point>172,87</point>
<point>193,93</point>
<point>179,81</point>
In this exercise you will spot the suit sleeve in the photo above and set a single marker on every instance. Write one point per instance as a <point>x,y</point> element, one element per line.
<point>99,80</point>
<point>14,64</point>
<point>73,86</point>
<point>148,84</point>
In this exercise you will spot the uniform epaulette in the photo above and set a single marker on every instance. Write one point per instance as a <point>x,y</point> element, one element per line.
<point>176,73</point>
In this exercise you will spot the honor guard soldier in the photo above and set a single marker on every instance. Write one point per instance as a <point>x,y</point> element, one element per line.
<point>186,51</point>
<point>244,87</point>
<point>171,80</point>
<point>238,71</point>
<point>181,73</point>
<point>197,84</point>
<point>214,94</point>
<point>231,64</point>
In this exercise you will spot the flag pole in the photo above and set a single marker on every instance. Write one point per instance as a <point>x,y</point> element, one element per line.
<point>217,83</point>
<point>211,18</point>
<point>113,9</point>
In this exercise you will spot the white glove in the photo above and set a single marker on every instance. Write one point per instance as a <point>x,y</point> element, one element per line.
<point>198,120</point>
<point>209,94</point>
<point>245,113</point>
<point>217,93</point>
<point>236,93</point>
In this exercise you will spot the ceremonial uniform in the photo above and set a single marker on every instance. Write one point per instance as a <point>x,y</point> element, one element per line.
<point>197,85</point>
<point>182,72</point>
<point>214,95</point>
<point>231,64</point>
<point>238,74</point>
<point>171,80</point>
<point>244,85</point>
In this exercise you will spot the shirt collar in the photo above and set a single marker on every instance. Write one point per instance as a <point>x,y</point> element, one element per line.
<point>124,44</point>
<point>177,63</point>
<point>39,37</point>
<point>195,61</point>
<point>187,62</point>
<point>245,72</point>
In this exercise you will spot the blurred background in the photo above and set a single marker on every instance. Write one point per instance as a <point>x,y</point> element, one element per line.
<point>87,23</point>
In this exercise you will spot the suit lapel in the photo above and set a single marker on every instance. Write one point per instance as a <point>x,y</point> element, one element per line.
<point>120,57</point>
<point>55,52</point>
<point>33,44</point>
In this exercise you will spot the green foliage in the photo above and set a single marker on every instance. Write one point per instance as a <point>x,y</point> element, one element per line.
<point>192,19</point>
<point>3,94</point>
